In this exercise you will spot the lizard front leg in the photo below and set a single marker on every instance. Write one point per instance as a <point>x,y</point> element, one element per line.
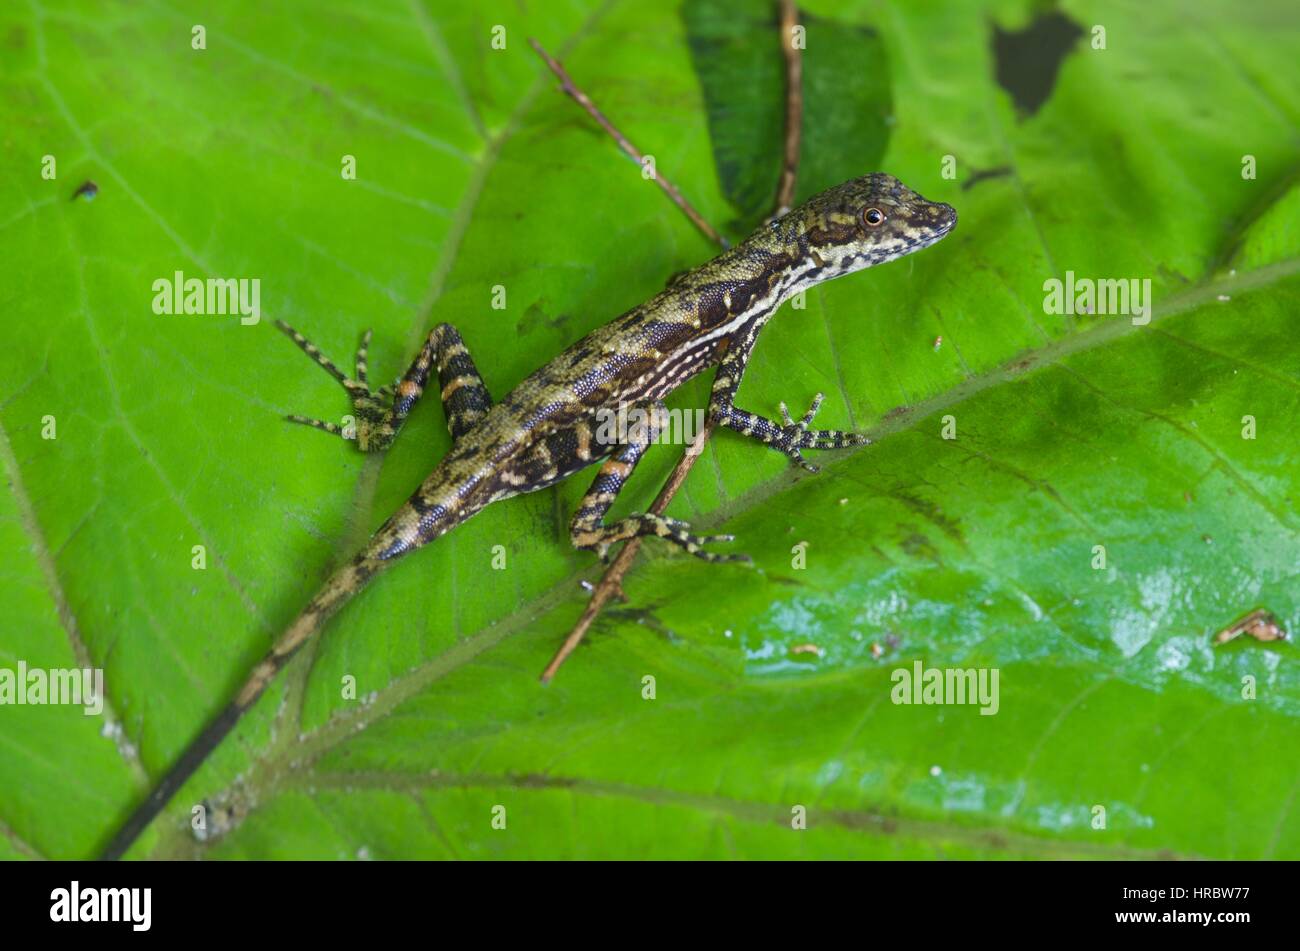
<point>589,531</point>
<point>380,413</point>
<point>789,436</point>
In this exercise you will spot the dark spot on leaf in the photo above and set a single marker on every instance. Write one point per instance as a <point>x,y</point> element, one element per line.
<point>646,617</point>
<point>983,174</point>
<point>88,189</point>
<point>785,580</point>
<point>932,513</point>
<point>1028,60</point>
<point>535,317</point>
<point>917,545</point>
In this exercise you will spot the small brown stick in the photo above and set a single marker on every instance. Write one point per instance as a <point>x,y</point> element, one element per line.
<point>611,583</point>
<point>793,107</point>
<point>582,99</point>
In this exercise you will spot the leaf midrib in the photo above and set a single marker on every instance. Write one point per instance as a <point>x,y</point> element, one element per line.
<point>868,821</point>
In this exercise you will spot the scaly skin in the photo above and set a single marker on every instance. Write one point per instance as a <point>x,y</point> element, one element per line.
<point>546,429</point>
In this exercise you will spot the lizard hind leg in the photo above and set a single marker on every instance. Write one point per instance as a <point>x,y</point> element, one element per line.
<point>331,428</point>
<point>465,398</point>
<point>352,386</point>
<point>361,359</point>
<point>369,408</point>
<point>380,413</point>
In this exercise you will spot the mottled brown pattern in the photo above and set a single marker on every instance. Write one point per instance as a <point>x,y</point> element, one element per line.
<point>705,316</point>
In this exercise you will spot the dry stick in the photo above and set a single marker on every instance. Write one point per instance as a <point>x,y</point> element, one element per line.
<point>611,582</point>
<point>582,99</point>
<point>793,107</point>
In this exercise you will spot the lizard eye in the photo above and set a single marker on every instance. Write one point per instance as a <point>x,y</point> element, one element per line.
<point>874,217</point>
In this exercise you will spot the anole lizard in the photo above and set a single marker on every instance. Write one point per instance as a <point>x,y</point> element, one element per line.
<point>545,429</point>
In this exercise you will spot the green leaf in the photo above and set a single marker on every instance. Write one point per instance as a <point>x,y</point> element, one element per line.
<point>736,51</point>
<point>473,171</point>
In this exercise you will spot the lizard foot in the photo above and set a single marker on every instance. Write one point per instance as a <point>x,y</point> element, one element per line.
<point>371,408</point>
<point>659,526</point>
<point>796,436</point>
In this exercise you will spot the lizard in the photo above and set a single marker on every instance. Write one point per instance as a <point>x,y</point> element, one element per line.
<point>545,429</point>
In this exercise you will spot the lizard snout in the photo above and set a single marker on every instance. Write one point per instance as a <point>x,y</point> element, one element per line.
<point>943,215</point>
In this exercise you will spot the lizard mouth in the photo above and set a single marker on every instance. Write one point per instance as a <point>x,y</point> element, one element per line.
<point>941,218</point>
<point>944,215</point>
<point>936,221</point>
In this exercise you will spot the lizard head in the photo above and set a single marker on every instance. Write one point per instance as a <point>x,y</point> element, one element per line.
<point>863,222</point>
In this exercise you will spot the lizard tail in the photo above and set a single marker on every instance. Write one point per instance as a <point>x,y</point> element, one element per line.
<point>339,588</point>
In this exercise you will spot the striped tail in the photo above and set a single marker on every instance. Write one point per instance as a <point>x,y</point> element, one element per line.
<point>341,586</point>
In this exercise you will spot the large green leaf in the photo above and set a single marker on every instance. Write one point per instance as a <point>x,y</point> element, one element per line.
<point>473,172</point>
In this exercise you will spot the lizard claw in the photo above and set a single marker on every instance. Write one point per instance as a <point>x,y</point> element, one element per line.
<point>797,456</point>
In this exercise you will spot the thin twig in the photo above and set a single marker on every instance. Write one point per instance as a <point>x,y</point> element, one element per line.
<point>582,99</point>
<point>611,582</point>
<point>793,107</point>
